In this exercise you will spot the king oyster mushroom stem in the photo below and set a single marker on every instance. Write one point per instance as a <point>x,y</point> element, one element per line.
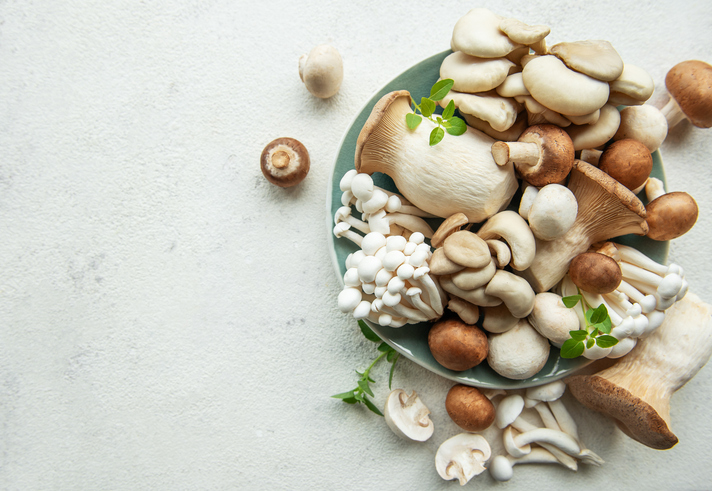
<point>407,416</point>
<point>462,457</point>
<point>607,209</point>
<point>424,174</point>
<point>636,391</point>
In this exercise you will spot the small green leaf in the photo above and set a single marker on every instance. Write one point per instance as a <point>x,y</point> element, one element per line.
<point>393,367</point>
<point>606,341</point>
<point>372,406</point>
<point>590,343</point>
<point>358,396</point>
<point>383,348</point>
<point>606,325</point>
<point>571,348</point>
<point>599,314</point>
<point>427,107</point>
<point>456,126</point>
<point>368,332</point>
<point>436,136</point>
<point>363,384</point>
<point>449,110</point>
<point>579,335</point>
<point>391,355</point>
<point>595,333</point>
<point>344,395</point>
<point>571,301</point>
<point>441,88</point>
<point>412,120</point>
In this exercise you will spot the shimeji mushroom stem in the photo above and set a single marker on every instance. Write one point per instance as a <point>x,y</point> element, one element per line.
<point>520,153</point>
<point>569,426</point>
<point>565,459</point>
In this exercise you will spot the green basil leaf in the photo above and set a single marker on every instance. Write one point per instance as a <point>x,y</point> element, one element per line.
<point>427,107</point>
<point>372,406</point>
<point>579,335</point>
<point>368,333</point>
<point>606,341</point>
<point>436,136</point>
<point>599,314</point>
<point>457,126</point>
<point>571,348</point>
<point>571,301</point>
<point>441,88</point>
<point>449,110</point>
<point>412,120</point>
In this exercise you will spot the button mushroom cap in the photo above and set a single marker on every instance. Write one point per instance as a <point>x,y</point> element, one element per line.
<point>469,408</point>
<point>322,71</point>
<point>689,84</point>
<point>643,123</point>
<point>561,89</point>
<point>542,155</point>
<point>607,209</point>
<point>636,391</point>
<point>424,174</point>
<point>552,212</point>
<point>477,33</point>
<point>462,457</point>
<point>627,161</point>
<point>473,74</point>
<point>595,273</point>
<point>456,345</point>
<point>671,215</point>
<point>518,353</point>
<point>595,58</point>
<point>407,416</point>
<point>285,162</point>
<point>552,319</point>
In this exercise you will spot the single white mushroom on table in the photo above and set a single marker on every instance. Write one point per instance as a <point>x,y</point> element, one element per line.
<point>322,71</point>
<point>462,457</point>
<point>407,416</point>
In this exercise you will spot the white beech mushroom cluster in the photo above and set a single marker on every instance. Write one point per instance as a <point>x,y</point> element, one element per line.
<point>387,281</point>
<point>538,429</point>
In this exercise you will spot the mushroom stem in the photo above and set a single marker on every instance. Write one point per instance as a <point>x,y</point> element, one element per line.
<point>648,303</point>
<point>672,112</point>
<point>565,459</point>
<point>521,153</point>
<point>569,426</point>
<point>342,229</point>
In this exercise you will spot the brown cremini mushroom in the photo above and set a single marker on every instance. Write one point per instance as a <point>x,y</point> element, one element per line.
<point>595,273</point>
<point>671,215</point>
<point>285,162</point>
<point>627,161</point>
<point>456,345</point>
<point>469,408</point>
<point>543,154</point>
<point>689,84</point>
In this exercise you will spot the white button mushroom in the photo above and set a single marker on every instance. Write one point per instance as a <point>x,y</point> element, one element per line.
<point>553,212</point>
<point>322,71</point>
<point>462,457</point>
<point>518,353</point>
<point>407,416</point>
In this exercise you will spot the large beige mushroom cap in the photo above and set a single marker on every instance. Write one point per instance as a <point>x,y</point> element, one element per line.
<point>633,87</point>
<point>597,58</point>
<point>500,112</point>
<point>561,89</point>
<point>594,135</point>
<point>473,74</point>
<point>477,33</point>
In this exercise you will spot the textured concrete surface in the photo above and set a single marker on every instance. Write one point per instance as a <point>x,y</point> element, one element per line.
<point>168,318</point>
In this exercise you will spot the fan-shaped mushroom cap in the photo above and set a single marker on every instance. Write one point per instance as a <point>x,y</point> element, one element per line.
<point>477,33</point>
<point>473,74</point>
<point>561,89</point>
<point>634,86</point>
<point>500,112</point>
<point>607,209</point>
<point>597,134</point>
<point>510,134</point>
<point>595,58</point>
<point>690,85</point>
<point>424,174</point>
<point>522,33</point>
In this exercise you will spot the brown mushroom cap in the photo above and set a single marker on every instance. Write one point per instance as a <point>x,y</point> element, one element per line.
<point>285,162</point>
<point>671,215</point>
<point>595,273</point>
<point>456,345</point>
<point>690,84</point>
<point>469,408</point>
<point>635,417</point>
<point>627,161</point>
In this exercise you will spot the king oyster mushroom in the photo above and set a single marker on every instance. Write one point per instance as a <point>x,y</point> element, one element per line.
<point>607,209</point>
<point>425,174</point>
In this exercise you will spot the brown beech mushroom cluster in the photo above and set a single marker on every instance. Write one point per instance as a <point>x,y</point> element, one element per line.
<point>636,391</point>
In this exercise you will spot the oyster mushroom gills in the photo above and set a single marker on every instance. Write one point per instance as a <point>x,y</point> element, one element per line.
<point>424,174</point>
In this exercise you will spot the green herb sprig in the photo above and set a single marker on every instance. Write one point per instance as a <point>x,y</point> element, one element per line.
<point>445,122</point>
<point>360,395</point>
<point>597,332</point>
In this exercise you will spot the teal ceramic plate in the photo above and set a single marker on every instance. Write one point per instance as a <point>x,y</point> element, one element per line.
<point>411,340</point>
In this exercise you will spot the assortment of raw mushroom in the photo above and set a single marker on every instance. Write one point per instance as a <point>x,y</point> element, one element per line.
<point>542,120</point>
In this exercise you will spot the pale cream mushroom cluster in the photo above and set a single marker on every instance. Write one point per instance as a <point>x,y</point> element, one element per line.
<point>387,280</point>
<point>507,78</point>
<point>538,429</point>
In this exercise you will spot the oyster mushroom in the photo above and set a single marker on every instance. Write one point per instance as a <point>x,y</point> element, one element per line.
<point>424,174</point>
<point>596,134</point>
<point>607,209</point>
<point>472,74</point>
<point>478,33</point>
<point>636,391</point>
<point>633,87</point>
<point>407,416</point>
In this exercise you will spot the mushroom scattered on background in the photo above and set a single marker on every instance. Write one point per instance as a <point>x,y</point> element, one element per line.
<point>285,162</point>
<point>469,408</point>
<point>462,457</point>
<point>689,84</point>
<point>407,416</point>
<point>322,71</point>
